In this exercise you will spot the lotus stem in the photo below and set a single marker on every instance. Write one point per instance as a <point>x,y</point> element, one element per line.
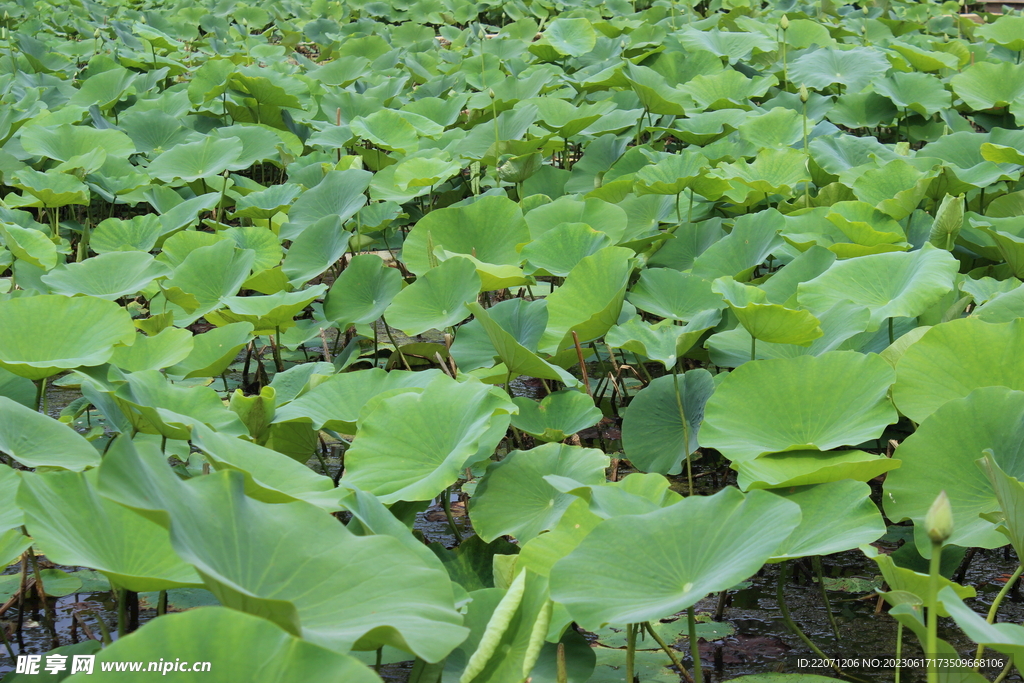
<point>691,622</point>
<point>932,640</point>
<point>788,620</point>
<point>398,349</point>
<point>899,650</point>
<point>1005,672</point>
<point>275,346</point>
<point>630,652</point>
<point>892,335</point>
<point>1007,587</point>
<point>753,347</point>
<point>816,561</point>
<point>380,656</point>
<point>686,429</point>
<point>122,612</point>
<point>669,651</point>
<point>446,503</point>
<point>41,395</point>
<point>583,365</point>
<point>161,604</point>
<point>49,618</point>
<point>562,674</point>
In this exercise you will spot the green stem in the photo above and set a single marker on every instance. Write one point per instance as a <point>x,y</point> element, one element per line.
<point>669,651</point>
<point>398,349</point>
<point>161,604</point>
<point>931,650</point>
<point>691,622</point>
<point>892,336</point>
<point>630,652</point>
<point>686,428</point>
<point>278,363</point>
<point>122,612</point>
<point>562,674</point>
<point>790,624</point>
<point>999,599</point>
<point>899,650</point>
<point>446,503</point>
<point>753,347</point>
<point>816,561</point>
<point>1004,673</point>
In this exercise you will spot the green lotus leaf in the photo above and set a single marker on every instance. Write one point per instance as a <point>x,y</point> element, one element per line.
<point>267,203</point>
<point>407,604</point>
<point>669,173</point>
<point>107,276</point>
<point>50,189</point>
<point>65,142</point>
<point>335,402</point>
<point>43,335</point>
<point>557,251</point>
<point>953,359</point>
<point>767,322</point>
<point>590,299</point>
<point>655,93</point>
<point>266,248</point>
<point>848,387</point>
<point>896,188</point>
<point>637,494</point>
<point>600,215</point>
<point>856,68</point>
<point>210,273</point>
<point>412,445</point>
<point>803,468</point>
<point>660,427</point>
<point>773,171</point>
<point>105,88</point>
<point>776,129</point>
<point>726,89</point>
<point>339,193</point>
<point>489,229</point>
<point>74,525</point>
<point>363,291</point>
<point>514,499</point>
<point>1010,246</point>
<point>665,341</point>
<point>941,455</point>
<point>989,84</point>
<point>919,92</point>
<point>863,224</point>
<point>1007,31</point>
<point>897,284</point>
<point>556,416</point>
<point>227,637</point>
<point>909,584</point>
<point>735,46</point>
<point>1002,637</point>
<point>573,37</point>
<point>213,351</point>
<point>752,239</point>
<point>926,60</point>
<point>29,245</point>
<point>387,129</point>
<point>834,517</point>
<point>670,294</point>
<point>844,321</point>
<point>168,347</point>
<point>425,171</point>
<point>204,159</point>
<point>140,233</point>
<point>437,299</point>
<point>266,313</point>
<point>734,533</point>
<point>18,389</point>
<point>35,440</point>
<point>1010,496</point>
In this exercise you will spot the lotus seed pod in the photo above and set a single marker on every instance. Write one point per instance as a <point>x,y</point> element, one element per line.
<point>784,22</point>
<point>939,520</point>
<point>803,93</point>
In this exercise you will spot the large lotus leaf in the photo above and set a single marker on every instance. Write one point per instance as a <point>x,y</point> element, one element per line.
<point>266,203</point>
<point>557,251</point>
<point>541,553</point>
<point>140,233</point>
<point>29,245</point>
<point>270,476</point>
<point>660,427</point>
<point>50,189</point>
<point>339,193</point>
<point>726,89</point>
<point>1010,495</point>
<point>73,525</point>
<point>324,584</point>
<point>922,93</point>
<point>773,171</point>
<point>611,219</point>
<point>335,402</point>
<point>734,45</point>
<point>413,445</point>
<point>229,638</point>
<point>556,416</point>
<point>437,299</point>
<point>314,250</point>
<point>387,129</point>
<point>266,313</point>
<point>590,299</point>
<point>514,334</point>
<point>107,276</point>
<point>843,321</point>
<point>803,468</point>
<point>42,335</point>
<point>1010,246</point>
<point>620,573</point>
<point>896,188</point>
<point>863,224</point>
<point>665,341</point>
<point>855,68</point>
<point>656,95</point>
<point>514,499</point>
<point>169,347</point>
<point>573,37</point>
<point>752,240</point>
<point>637,494</point>
<point>209,273</point>
<point>953,359</point>
<point>155,406</point>
<point>768,322</point>
<point>989,84</point>
<point>18,389</point>
<point>670,294</point>
<point>669,173</point>
<point>1001,637</point>
<point>896,284</point>
<point>65,142</point>
<point>818,402</point>
<point>213,351</point>
<point>207,158</point>
<point>834,517</point>
<point>363,291</point>
<point>35,440</point>
<point>941,455</point>
<point>489,229</point>
<point>1007,31</point>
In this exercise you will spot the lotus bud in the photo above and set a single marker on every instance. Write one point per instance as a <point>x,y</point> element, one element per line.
<point>784,22</point>
<point>939,520</point>
<point>804,96</point>
<point>490,92</point>
<point>97,33</point>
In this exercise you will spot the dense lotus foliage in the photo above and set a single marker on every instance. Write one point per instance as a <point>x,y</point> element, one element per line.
<point>306,267</point>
